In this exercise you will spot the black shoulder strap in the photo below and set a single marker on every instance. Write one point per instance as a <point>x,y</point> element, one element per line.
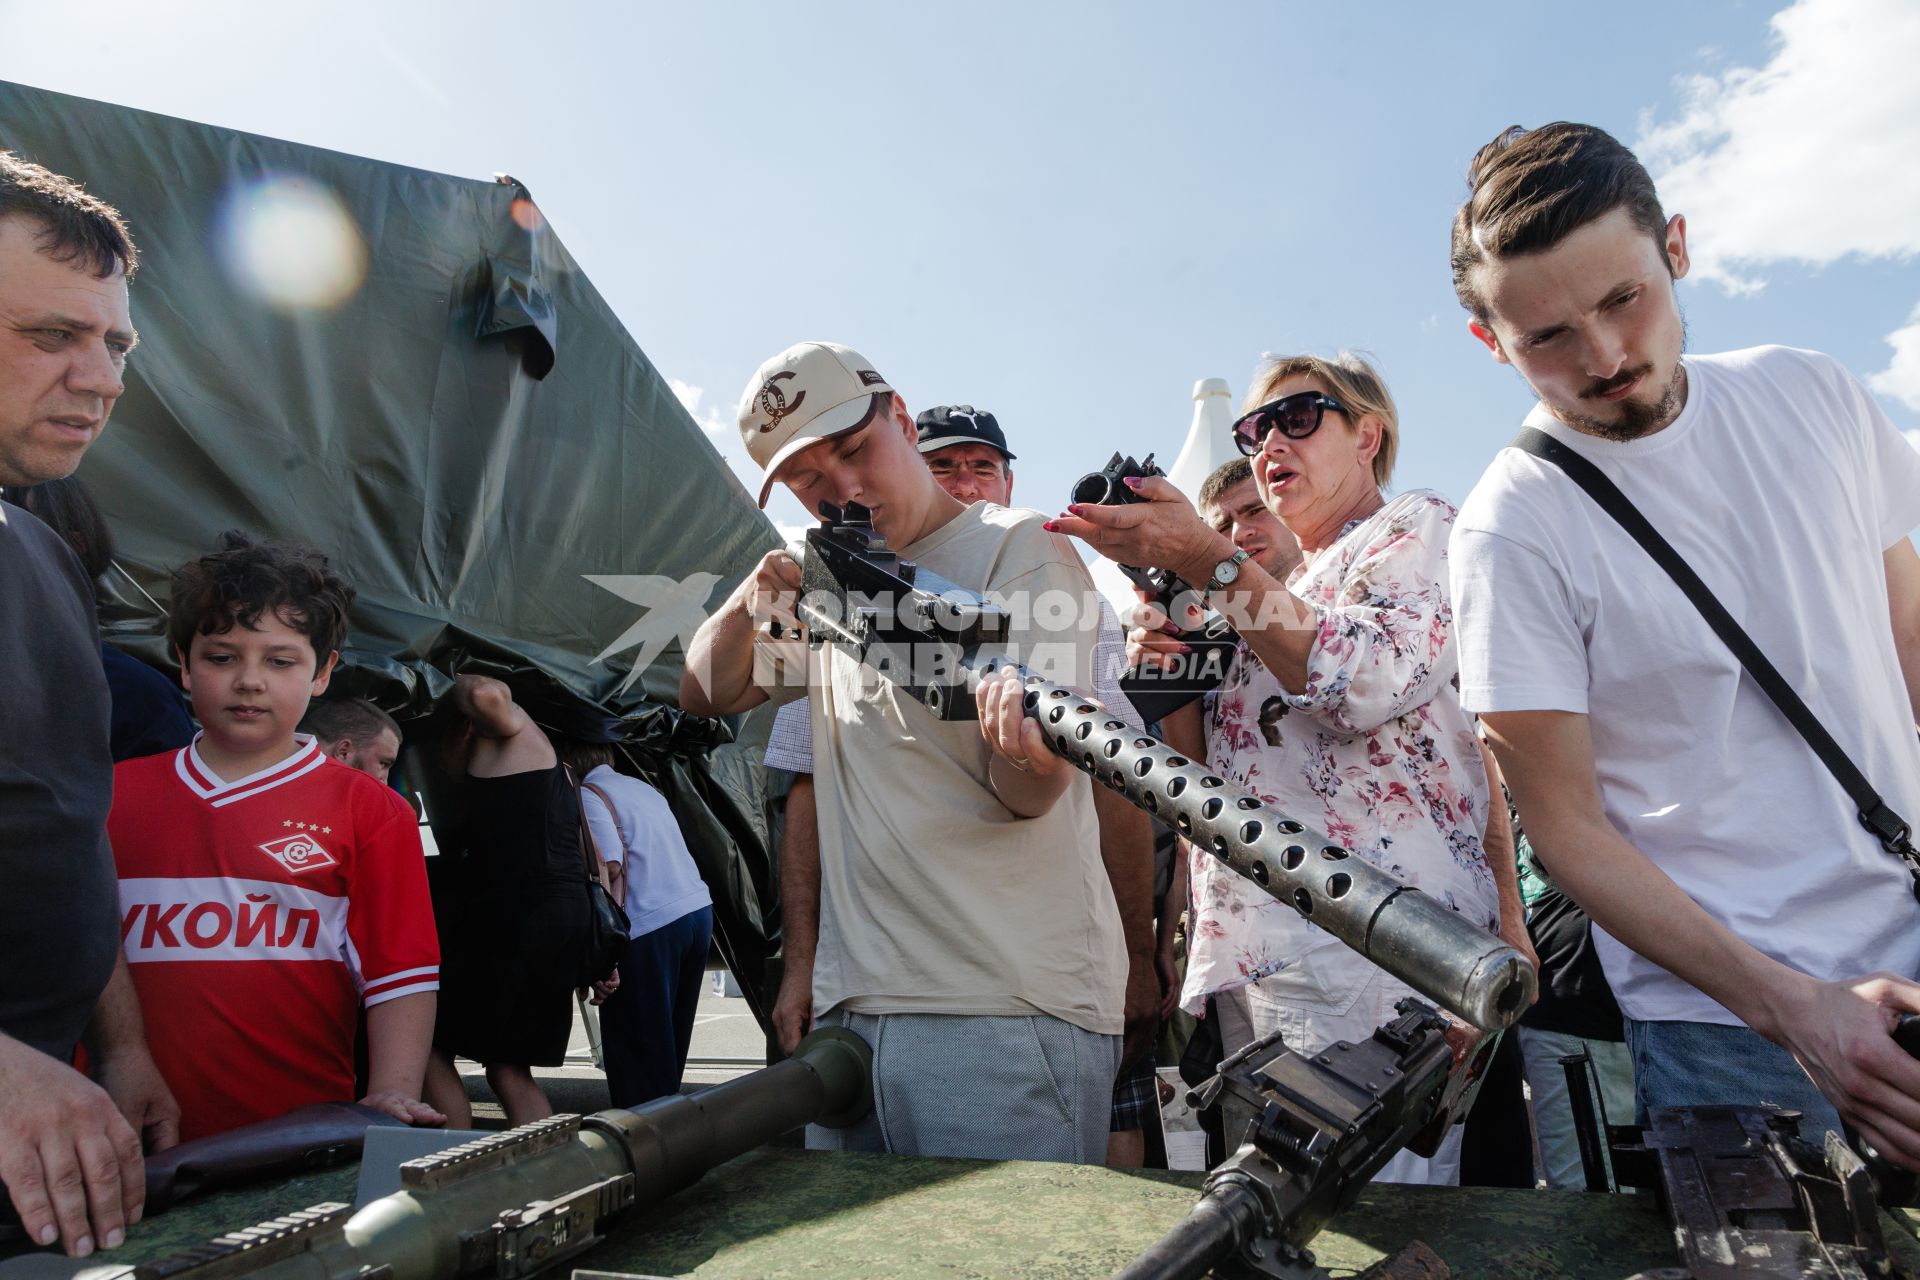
<point>1876,815</point>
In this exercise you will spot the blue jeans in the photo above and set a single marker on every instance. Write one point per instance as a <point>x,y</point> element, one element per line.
<point>646,1027</point>
<point>1692,1064</point>
<point>1541,1052</point>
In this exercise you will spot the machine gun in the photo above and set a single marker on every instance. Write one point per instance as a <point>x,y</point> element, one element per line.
<point>514,1204</point>
<point>1314,1130</point>
<point>1746,1195</point>
<point>1159,691</point>
<point>932,640</point>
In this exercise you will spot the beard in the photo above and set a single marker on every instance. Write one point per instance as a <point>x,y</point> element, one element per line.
<point>1636,418</point>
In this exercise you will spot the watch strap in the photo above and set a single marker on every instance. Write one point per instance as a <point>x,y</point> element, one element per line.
<point>1238,558</point>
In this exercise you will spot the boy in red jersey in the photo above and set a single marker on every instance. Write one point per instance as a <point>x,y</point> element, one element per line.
<point>266,891</point>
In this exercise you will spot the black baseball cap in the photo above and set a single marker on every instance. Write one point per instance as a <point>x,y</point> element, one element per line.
<point>951,424</point>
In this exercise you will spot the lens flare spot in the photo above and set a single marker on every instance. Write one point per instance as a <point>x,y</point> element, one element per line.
<point>288,240</point>
<point>527,215</point>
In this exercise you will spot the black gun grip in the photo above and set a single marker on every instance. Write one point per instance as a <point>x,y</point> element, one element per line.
<point>1897,1186</point>
<point>1155,694</point>
<point>1906,1033</point>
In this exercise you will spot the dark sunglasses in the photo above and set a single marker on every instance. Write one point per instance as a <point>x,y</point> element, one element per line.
<point>1296,417</point>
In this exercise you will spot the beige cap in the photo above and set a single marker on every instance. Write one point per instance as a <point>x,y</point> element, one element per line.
<point>806,394</point>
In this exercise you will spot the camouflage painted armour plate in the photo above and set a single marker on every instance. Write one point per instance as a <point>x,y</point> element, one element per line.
<point>781,1213</point>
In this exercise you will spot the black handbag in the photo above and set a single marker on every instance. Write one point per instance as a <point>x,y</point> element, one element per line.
<point>607,921</point>
<point>1876,815</point>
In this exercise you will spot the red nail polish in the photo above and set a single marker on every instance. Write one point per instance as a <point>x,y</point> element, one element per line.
<point>1073,508</point>
<point>1133,482</point>
<point>1051,526</point>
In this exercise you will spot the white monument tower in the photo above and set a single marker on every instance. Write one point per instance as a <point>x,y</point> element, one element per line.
<point>1209,440</point>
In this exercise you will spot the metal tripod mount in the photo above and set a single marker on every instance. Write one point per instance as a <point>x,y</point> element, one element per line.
<point>1314,1130</point>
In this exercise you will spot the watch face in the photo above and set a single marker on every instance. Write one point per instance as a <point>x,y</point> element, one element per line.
<point>1226,571</point>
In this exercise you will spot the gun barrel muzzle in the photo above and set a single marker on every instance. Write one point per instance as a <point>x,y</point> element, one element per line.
<point>1426,945</point>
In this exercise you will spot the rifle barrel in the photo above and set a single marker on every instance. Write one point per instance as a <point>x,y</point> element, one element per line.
<point>517,1203</point>
<point>1213,1231</point>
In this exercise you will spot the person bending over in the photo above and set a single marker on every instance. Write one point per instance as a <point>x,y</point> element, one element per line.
<point>514,911</point>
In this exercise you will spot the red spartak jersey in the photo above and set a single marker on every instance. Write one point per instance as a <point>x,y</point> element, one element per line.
<point>257,916</point>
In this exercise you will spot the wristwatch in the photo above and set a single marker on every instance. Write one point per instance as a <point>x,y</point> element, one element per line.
<point>1225,573</point>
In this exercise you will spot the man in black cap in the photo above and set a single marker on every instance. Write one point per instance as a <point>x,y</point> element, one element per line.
<point>967,453</point>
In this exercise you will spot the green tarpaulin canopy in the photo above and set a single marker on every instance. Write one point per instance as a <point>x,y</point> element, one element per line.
<point>410,372</point>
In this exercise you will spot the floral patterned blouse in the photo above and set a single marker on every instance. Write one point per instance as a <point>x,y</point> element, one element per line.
<point>1375,750</point>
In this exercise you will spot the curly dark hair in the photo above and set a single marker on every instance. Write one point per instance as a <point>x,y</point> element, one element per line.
<point>74,226</point>
<point>244,579</point>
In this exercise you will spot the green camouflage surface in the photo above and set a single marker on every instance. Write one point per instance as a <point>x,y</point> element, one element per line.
<point>785,1213</point>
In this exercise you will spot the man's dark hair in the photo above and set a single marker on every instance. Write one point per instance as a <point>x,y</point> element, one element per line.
<point>66,506</point>
<point>355,719</point>
<point>1215,486</point>
<point>1529,189</point>
<point>584,757</point>
<point>245,579</point>
<point>74,226</point>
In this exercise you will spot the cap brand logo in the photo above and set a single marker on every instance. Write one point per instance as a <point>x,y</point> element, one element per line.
<point>773,400</point>
<point>298,854</point>
<point>868,378</point>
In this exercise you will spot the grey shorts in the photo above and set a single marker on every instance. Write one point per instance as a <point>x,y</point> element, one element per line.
<point>988,1088</point>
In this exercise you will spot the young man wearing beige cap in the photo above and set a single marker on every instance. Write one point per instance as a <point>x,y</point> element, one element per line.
<point>967,929</point>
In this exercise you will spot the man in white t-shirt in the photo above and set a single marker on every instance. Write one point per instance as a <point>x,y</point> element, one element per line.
<point>966,926</point>
<point>1744,917</point>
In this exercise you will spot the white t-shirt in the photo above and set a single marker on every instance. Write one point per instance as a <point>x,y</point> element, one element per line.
<point>1782,483</point>
<point>663,883</point>
<point>934,897</point>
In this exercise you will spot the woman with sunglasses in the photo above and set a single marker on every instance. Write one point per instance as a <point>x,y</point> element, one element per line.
<point>1339,706</point>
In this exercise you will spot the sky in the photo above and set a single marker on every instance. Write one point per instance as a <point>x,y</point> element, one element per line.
<point>1068,213</point>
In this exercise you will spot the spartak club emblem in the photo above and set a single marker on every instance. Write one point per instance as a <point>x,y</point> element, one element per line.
<point>298,854</point>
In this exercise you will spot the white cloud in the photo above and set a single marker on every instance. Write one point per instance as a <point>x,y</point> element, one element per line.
<point>1900,380</point>
<point>711,419</point>
<point>718,428</point>
<point>1807,159</point>
<point>721,427</point>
